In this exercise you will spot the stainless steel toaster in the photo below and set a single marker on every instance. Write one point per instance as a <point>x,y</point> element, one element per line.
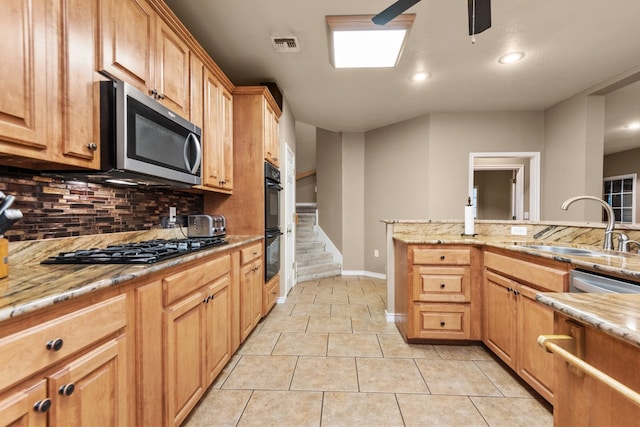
<point>206,225</point>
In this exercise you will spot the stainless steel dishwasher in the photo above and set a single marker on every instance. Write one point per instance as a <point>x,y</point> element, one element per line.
<point>587,282</point>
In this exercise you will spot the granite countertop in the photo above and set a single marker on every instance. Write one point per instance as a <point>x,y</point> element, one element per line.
<point>31,286</point>
<point>615,314</point>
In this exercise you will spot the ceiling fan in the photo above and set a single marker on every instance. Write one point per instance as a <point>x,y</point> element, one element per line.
<point>479,14</point>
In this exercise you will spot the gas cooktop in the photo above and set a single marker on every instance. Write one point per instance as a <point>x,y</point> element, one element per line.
<point>146,252</point>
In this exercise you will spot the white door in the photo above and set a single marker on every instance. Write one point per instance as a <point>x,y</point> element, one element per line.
<point>289,219</point>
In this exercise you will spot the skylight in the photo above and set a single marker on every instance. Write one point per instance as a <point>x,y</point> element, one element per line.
<point>358,43</point>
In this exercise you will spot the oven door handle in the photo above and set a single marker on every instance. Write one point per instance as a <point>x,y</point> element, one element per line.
<point>273,185</point>
<point>272,234</point>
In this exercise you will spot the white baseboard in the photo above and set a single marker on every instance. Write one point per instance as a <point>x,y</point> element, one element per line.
<point>391,317</point>
<point>364,273</point>
<point>281,300</point>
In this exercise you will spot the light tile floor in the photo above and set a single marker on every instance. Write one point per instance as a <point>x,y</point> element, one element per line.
<point>328,357</point>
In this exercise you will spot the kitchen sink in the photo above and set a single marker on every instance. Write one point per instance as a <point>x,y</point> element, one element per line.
<point>564,250</point>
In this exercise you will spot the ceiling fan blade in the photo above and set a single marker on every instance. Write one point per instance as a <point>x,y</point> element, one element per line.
<point>482,16</point>
<point>392,11</point>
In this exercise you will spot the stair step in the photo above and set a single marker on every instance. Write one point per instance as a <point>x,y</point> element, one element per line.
<point>306,247</point>
<point>311,258</point>
<point>306,207</point>
<point>318,272</point>
<point>306,234</point>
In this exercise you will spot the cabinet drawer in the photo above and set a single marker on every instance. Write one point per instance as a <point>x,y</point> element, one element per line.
<point>445,284</point>
<point>441,256</point>
<point>180,284</point>
<point>250,253</point>
<point>542,277</point>
<point>26,352</point>
<point>271,291</point>
<point>441,321</point>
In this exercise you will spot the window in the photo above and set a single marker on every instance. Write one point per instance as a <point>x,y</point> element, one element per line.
<point>620,193</point>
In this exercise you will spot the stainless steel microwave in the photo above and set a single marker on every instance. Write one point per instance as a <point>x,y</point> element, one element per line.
<point>142,142</point>
<point>142,139</point>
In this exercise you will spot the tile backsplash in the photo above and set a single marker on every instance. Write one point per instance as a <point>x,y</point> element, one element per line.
<point>55,208</point>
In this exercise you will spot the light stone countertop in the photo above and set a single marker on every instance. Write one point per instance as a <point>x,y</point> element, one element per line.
<point>615,314</point>
<point>31,286</point>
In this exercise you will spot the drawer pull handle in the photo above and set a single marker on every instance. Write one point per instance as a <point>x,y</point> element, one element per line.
<point>55,345</point>
<point>255,253</point>
<point>66,390</point>
<point>442,323</point>
<point>442,257</point>
<point>442,285</point>
<point>42,406</point>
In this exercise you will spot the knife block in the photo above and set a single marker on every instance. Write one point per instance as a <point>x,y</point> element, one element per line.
<point>4,258</point>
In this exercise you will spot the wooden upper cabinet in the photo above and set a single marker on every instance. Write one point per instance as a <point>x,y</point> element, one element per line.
<point>76,119</point>
<point>139,47</point>
<point>23,103</point>
<point>127,43</point>
<point>196,90</point>
<point>271,134</point>
<point>172,70</point>
<point>217,140</point>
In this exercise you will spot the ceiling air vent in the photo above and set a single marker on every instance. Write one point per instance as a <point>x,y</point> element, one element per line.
<point>285,44</point>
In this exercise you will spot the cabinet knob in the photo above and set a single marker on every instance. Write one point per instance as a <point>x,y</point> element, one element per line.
<point>442,323</point>
<point>153,93</point>
<point>92,146</point>
<point>55,345</point>
<point>161,96</point>
<point>42,405</point>
<point>442,257</point>
<point>66,390</point>
<point>442,285</point>
<point>516,292</point>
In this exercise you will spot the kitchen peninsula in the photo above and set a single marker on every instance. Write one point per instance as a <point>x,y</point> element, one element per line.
<point>513,292</point>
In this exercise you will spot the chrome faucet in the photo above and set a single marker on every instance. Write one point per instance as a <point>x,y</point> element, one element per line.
<point>608,233</point>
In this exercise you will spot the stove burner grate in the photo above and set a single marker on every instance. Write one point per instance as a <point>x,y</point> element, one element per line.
<point>147,252</point>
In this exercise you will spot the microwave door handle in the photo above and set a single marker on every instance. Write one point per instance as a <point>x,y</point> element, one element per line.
<point>185,152</point>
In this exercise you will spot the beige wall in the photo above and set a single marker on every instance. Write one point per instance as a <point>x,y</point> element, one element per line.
<point>572,158</point>
<point>305,161</point>
<point>396,176</point>
<point>455,135</point>
<point>329,179</point>
<point>353,184</point>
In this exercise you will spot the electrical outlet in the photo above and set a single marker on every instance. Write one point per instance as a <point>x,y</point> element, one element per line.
<point>519,231</point>
<point>376,253</point>
<point>172,214</point>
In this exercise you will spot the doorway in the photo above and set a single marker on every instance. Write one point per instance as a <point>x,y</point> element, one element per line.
<point>523,194</point>
<point>499,192</point>
<point>289,221</point>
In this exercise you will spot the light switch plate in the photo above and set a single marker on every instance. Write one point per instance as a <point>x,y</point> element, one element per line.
<point>518,231</point>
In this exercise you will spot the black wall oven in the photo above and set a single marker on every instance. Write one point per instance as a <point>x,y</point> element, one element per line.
<point>272,190</point>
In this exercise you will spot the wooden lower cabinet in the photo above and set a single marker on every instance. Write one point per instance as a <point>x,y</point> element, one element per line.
<point>251,279</point>
<point>513,319</point>
<point>270,293</point>
<point>82,362</point>
<point>438,292</point>
<point>197,333</point>
<point>92,390</point>
<point>586,401</point>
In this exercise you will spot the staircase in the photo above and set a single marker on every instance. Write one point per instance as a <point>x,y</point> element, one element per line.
<point>312,260</point>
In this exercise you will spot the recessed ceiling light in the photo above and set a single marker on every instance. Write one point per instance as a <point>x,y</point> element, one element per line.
<point>633,126</point>
<point>418,77</point>
<point>510,58</point>
<point>356,42</point>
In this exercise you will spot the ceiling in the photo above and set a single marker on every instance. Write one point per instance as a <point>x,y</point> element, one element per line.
<point>570,46</point>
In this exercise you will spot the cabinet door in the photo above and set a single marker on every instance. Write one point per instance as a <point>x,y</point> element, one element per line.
<point>23,73</point>
<point>250,297</point>
<point>92,390</point>
<point>535,365</point>
<point>226,121</point>
<point>18,409</point>
<point>127,41</point>
<point>211,166</point>
<point>77,116</point>
<point>500,316</point>
<point>218,327</point>
<point>184,362</point>
<point>172,70</point>
<point>196,90</point>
